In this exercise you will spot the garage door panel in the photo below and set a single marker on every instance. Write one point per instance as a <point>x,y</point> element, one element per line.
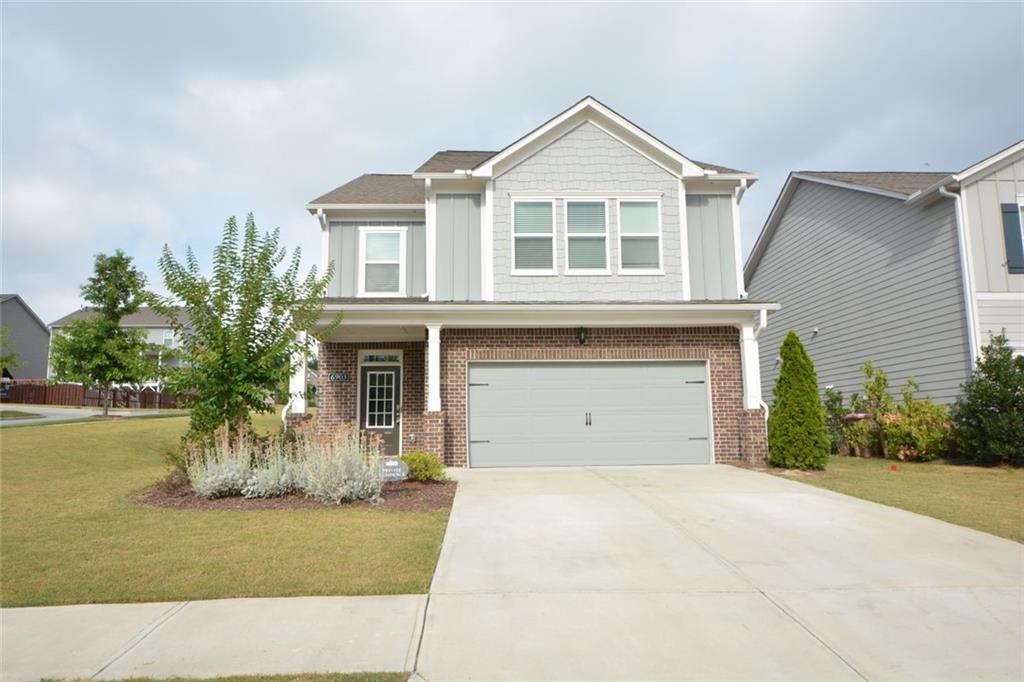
<point>534,414</point>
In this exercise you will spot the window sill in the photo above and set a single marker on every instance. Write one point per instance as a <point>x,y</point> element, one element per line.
<point>641,273</point>
<point>585,273</point>
<point>534,273</point>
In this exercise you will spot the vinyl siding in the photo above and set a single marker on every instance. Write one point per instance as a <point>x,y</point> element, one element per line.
<point>711,246</point>
<point>985,227</point>
<point>878,279</point>
<point>343,245</point>
<point>27,339</point>
<point>458,247</point>
<point>586,159</point>
<point>996,316</point>
<point>999,294</point>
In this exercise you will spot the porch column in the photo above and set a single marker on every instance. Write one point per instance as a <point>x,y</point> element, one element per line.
<point>751,367</point>
<point>433,368</point>
<point>297,382</point>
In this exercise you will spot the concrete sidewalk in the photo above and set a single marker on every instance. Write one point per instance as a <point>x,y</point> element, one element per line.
<point>61,413</point>
<point>211,638</point>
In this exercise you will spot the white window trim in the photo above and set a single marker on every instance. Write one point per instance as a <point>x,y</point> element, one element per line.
<point>532,272</point>
<point>634,272</point>
<point>367,229</point>
<point>569,270</point>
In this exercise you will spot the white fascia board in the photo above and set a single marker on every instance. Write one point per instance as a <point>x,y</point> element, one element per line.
<point>418,315</point>
<point>312,208</point>
<point>968,174</point>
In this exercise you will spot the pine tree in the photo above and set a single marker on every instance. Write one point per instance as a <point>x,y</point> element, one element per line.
<point>797,426</point>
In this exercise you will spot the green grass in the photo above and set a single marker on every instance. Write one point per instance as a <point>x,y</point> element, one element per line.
<point>71,533</point>
<point>990,500</point>
<point>16,414</point>
<point>304,677</point>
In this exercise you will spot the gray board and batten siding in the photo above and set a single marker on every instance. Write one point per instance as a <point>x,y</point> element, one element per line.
<point>344,251</point>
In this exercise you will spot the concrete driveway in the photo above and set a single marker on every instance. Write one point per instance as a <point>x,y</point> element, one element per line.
<point>711,573</point>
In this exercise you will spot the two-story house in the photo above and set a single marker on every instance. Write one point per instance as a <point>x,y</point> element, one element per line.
<point>575,298</point>
<point>158,331</point>
<point>914,271</point>
<point>27,337</point>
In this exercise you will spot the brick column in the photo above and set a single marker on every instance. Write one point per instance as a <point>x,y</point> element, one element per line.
<point>753,434</point>
<point>432,433</point>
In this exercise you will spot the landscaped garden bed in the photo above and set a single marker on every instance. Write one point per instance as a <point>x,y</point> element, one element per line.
<point>175,492</point>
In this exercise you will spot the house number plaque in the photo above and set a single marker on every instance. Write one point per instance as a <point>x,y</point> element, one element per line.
<point>337,377</point>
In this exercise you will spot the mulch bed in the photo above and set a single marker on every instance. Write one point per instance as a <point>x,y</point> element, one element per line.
<point>175,492</point>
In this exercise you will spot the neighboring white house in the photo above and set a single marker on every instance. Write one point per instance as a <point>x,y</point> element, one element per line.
<point>914,271</point>
<point>159,333</point>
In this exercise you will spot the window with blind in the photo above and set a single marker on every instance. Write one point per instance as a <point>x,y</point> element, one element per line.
<point>639,236</point>
<point>382,262</point>
<point>533,237</point>
<point>586,237</point>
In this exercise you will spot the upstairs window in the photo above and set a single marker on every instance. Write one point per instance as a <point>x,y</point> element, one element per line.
<point>382,261</point>
<point>586,237</point>
<point>1013,236</point>
<point>640,237</point>
<point>533,237</point>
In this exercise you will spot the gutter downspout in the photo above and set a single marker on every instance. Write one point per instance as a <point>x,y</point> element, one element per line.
<point>965,278</point>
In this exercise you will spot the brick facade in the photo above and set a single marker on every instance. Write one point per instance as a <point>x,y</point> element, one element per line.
<point>739,434</point>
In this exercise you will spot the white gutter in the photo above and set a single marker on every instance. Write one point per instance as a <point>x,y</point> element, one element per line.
<point>965,277</point>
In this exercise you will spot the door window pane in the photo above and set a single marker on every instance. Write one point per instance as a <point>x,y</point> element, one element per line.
<point>380,401</point>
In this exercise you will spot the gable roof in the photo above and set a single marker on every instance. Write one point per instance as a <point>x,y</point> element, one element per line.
<point>4,298</point>
<point>374,188</point>
<point>451,160</point>
<point>594,107</point>
<point>143,317</point>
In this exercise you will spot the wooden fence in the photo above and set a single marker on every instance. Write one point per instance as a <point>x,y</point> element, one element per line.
<point>76,395</point>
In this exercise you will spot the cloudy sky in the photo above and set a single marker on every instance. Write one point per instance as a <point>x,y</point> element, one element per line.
<point>132,126</point>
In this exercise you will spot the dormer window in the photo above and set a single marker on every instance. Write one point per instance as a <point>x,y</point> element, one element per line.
<point>382,261</point>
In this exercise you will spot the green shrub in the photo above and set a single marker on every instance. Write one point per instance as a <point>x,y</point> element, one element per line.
<point>988,418</point>
<point>424,466</point>
<point>867,436</point>
<point>834,413</point>
<point>797,432</point>
<point>918,430</point>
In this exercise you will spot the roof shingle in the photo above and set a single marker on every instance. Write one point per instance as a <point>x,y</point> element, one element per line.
<point>376,188</point>
<point>452,160</point>
<point>143,317</point>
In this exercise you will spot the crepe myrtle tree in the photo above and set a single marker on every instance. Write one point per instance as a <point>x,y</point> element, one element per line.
<point>96,350</point>
<point>797,426</point>
<point>240,324</point>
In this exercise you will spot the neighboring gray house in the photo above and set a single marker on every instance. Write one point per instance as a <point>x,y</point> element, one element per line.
<point>914,271</point>
<point>27,336</point>
<point>159,332</point>
<point>574,298</point>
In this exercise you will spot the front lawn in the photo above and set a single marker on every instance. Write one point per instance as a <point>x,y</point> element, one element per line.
<point>71,532</point>
<point>990,500</point>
